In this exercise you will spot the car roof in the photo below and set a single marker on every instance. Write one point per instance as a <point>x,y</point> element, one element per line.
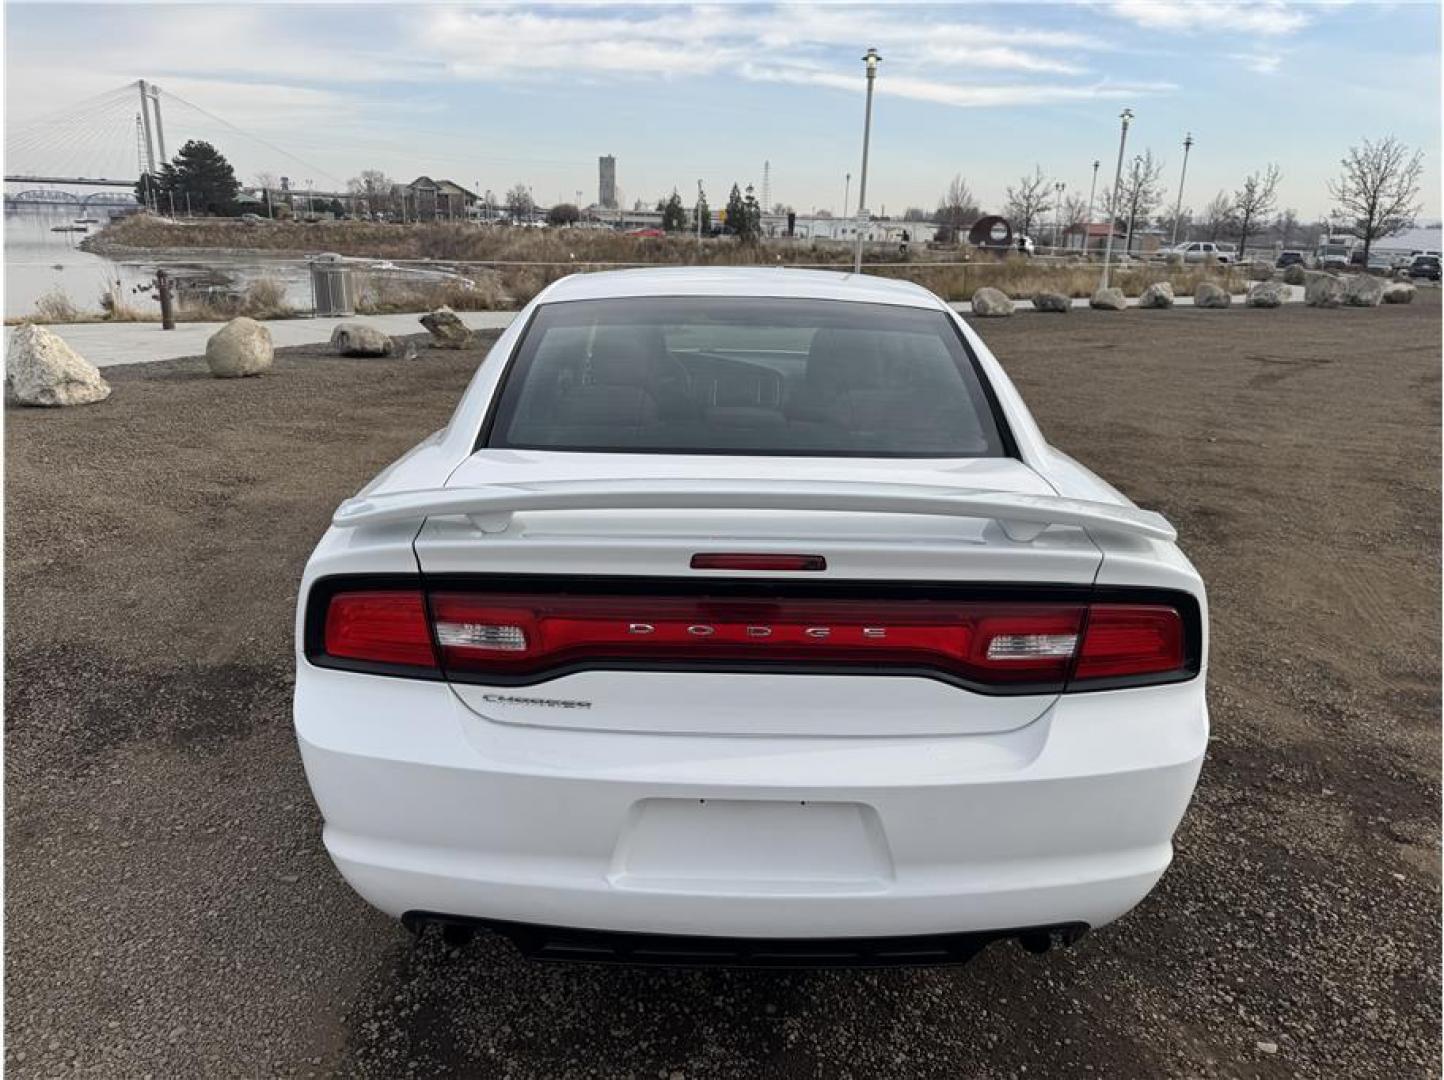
<point>739,281</point>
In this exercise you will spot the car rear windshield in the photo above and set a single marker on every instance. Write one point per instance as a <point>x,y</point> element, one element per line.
<point>745,376</point>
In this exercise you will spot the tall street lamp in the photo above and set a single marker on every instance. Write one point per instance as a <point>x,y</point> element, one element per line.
<point>872,59</point>
<point>1058,187</point>
<point>846,195</point>
<point>1178,209</point>
<point>1091,189</point>
<point>1125,116</point>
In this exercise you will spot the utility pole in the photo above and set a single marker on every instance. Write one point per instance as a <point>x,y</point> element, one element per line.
<point>1178,209</point>
<point>1125,116</point>
<point>697,213</point>
<point>846,195</point>
<point>871,59</point>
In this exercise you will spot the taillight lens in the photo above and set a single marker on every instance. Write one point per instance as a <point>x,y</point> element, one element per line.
<point>1125,640</point>
<point>384,627</point>
<point>1015,646</point>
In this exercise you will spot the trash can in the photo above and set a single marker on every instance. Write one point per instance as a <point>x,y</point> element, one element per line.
<point>333,288</point>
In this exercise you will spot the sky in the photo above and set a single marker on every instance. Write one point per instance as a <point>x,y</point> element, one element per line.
<point>497,94</point>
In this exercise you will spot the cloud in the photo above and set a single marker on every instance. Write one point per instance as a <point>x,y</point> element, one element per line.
<point>1259,63</point>
<point>1269,17</point>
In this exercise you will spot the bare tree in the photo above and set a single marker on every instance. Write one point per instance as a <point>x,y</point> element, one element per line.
<point>957,209</point>
<point>519,203</point>
<point>1218,216</point>
<point>1379,188</point>
<point>1253,201</point>
<point>1028,201</point>
<point>1073,212</point>
<point>1139,193</point>
<point>372,186</point>
<point>266,181</point>
<point>1180,228</point>
<point>1286,224</point>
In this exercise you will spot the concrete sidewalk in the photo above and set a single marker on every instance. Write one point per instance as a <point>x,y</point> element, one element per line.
<point>105,344</point>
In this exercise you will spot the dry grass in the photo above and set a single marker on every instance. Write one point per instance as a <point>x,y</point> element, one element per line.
<point>56,306</point>
<point>382,293</point>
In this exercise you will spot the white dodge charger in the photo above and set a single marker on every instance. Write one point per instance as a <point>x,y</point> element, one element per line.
<point>744,616</point>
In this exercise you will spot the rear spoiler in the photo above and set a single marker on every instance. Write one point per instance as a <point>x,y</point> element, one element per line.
<point>490,508</point>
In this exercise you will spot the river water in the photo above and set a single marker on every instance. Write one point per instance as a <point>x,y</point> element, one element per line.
<point>40,261</point>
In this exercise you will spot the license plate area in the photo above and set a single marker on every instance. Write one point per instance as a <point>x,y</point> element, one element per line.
<point>752,847</point>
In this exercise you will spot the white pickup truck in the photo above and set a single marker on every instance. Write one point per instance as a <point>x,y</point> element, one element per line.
<point>1197,251</point>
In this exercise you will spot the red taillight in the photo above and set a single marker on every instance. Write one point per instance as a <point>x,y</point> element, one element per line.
<point>1131,639</point>
<point>1021,646</point>
<point>746,561</point>
<point>384,627</point>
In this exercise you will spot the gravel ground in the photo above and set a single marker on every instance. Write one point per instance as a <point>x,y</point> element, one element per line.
<point>170,910</point>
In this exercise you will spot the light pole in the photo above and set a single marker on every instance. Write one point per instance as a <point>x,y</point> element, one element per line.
<point>698,212</point>
<point>1091,189</point>
<point>1125,116</point>
<point>871,59</point>
<point>1058,187</point>
<point>1178,209</point>
<point>846,195</point>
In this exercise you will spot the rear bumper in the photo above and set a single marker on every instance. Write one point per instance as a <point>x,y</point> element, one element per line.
<point>430,808</point>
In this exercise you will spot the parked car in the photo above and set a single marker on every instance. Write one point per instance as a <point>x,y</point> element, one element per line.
<point>1380,262</point>
<point>1197,251</point>
<point>745,616</point>
<point>646,231</point>
<point>1425,266</point>
<point>1289,258</point>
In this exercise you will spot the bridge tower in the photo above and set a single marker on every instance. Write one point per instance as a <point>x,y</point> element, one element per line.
<point>150,99</point>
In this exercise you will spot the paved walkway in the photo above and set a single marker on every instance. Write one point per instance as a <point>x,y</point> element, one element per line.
<point>104,344</point>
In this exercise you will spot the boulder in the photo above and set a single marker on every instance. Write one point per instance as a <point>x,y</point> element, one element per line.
<point>1260,271</point>
<point>1209,295</point>
<point>41,369</point>
<point>1157,295</point>
<point>1295,274</point>
<point>1399,293</point>
<point>1108,300</point>
<point>359,339</point>
<point>241,347</point>
<point>447,329</point>
<point>1052,301</point>
<point>1323,290</point>
<point>1363,290</point>
<point>1267,294</point>
<point>990,303</point>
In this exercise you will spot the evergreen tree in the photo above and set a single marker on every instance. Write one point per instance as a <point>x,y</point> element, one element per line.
<point>202,172</point>
<point>674,215</point>
<point>736,212</point>
<point>704,215</point>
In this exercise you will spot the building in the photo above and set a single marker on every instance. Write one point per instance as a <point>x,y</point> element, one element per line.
<point>425,199</point>
<point>1091,238</point>
<point>607,182</point>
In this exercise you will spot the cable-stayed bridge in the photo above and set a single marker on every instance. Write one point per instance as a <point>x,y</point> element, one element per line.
<point>113,139</point>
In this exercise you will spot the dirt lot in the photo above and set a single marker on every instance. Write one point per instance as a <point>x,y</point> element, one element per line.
<point>170,910</point>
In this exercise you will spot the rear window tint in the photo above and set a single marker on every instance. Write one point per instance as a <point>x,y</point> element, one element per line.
<point>745,376</point>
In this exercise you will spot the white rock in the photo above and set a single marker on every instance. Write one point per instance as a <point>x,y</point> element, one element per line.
<point>1267,294</point>
<point>1363,290</point>
<point>41,369</point>
<point>991,303</point>
<point>241,347</point>
<point>1108,300</point>
<point>1209,295</point>
<point>1052,301</point>
<point>1323,290</point>
<point>1399,293</point>
<point>359,339</point>
<point>1157,295</point>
